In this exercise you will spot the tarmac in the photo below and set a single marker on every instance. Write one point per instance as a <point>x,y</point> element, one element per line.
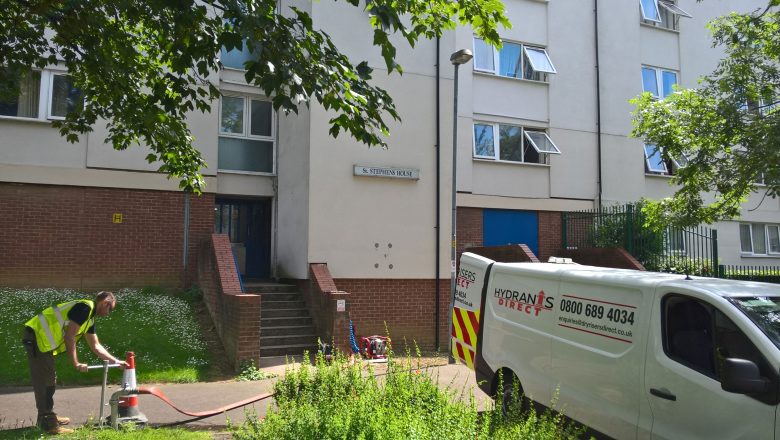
<point>82,404</point>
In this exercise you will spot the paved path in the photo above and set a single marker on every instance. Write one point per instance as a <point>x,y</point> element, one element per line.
<point>17,405</point>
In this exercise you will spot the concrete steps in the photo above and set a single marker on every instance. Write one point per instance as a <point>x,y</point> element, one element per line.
<point>286,328</point>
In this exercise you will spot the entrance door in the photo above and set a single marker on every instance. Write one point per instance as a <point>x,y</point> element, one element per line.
<point>503,226</point>
<point>248,224</point>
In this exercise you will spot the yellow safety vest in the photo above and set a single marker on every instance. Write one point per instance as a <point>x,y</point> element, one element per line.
<point>49,326</point>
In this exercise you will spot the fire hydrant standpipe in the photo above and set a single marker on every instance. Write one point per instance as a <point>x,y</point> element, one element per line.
<point>105,368</point>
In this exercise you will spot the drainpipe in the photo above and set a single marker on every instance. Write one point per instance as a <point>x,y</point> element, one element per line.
<point>438,195</point>
<point>598,99</point>
<point>186,240</point>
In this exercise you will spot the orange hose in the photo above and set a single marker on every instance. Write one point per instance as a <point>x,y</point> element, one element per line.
<point>154,391</point>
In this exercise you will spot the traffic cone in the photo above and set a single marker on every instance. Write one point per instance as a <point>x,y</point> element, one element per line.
<point>128,405</point>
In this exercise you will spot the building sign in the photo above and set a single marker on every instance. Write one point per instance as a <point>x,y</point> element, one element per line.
<point>117,218</point>
<point>393,173</point>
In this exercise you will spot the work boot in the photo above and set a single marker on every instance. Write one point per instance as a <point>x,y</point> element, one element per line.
<point>50,424</point>
<point>58,430</point>
<point>63,420</point>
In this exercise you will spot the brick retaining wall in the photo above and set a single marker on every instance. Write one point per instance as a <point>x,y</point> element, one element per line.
<point>64,236</point>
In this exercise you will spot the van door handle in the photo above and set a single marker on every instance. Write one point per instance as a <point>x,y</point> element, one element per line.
<point>663,393</point>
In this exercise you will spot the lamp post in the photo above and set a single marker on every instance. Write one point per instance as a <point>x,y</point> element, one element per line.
<point>460,57</point>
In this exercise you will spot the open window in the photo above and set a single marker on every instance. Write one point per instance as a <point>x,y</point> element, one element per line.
<point>513,60</point>
<point>512,143</point>
<point>539,60</point>
<point>658,163</point>
<point>662,13</point>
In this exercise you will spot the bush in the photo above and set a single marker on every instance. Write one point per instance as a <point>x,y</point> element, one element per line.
<point>341,400</point>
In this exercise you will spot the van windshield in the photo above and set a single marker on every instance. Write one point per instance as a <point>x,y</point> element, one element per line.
<point>764,311</point>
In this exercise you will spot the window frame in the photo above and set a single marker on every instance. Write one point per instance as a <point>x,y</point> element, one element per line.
<point>247,130</point>
<point>659,80</point>
<point>45,97</point>
<point>767,241</point>
<point>526,141</point>
<point>671,164</point>
<point>525,61</point>
<point>668,13</point>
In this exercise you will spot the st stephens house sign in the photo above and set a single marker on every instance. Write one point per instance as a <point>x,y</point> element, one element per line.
<point>393,173</point>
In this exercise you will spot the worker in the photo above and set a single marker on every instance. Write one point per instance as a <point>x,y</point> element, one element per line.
<point>55,330</point>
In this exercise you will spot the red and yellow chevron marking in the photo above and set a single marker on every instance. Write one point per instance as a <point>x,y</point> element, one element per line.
<point>463,353</point>
<point>465,327</point>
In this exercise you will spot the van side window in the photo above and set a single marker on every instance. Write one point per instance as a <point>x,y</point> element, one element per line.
<point>699,336</point>
<point>688,338</point>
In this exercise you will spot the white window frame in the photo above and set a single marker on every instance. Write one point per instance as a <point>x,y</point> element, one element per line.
<point>50,96</point>
<point>659,79</point>
<point>767,245</point>
<point>525,140</point>
<point>663,7</point>
<point>247,130</point>
<point>44,97</point>
<point>677,163</point>
<point>683,250</point>
<point>644,15</point>
<point>523,59</point>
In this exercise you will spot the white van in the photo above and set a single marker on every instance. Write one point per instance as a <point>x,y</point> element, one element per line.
<point>632,355</point>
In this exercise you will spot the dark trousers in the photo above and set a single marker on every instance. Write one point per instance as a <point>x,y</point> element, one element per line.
<point>43,375</point>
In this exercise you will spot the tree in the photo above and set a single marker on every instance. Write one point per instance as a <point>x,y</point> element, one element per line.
<point>728,128</point>
<point>142,65</point>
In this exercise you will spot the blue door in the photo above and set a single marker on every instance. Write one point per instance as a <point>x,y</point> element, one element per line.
<point>502,226</point>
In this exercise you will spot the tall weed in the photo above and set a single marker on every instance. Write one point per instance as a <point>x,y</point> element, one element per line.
<point>340,400</point>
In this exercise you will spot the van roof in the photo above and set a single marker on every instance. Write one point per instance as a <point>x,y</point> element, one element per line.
<point>721,287</point>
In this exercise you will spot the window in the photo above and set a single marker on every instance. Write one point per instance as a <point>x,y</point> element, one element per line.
<point>659,82</point>
<point>655,162</point>
<point>512,143</point>
<point>514,60</point>
<point>759,238</point>
<point>699,336</point>
<point>246,135</point>
<point>235,58</point>
<point>661,13</point>
<point>675,240</point>
<point>43,95</point>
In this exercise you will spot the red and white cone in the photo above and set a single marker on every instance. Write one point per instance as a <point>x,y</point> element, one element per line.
<point>128,405</point>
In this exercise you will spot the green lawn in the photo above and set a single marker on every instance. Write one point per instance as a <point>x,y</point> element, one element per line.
<point>107,434</point>
<point>160,328</point>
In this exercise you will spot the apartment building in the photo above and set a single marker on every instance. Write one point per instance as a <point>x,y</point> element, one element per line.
<point>542,128</point>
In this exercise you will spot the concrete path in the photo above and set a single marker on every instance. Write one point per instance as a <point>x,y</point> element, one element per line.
<point>17,405</point>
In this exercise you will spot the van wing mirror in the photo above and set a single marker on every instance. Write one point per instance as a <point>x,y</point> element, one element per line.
<point>741,376</point>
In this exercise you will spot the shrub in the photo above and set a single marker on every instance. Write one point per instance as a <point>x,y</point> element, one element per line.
<point>342,400</point>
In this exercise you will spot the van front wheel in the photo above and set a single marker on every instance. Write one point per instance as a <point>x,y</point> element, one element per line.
<point>513,403</point>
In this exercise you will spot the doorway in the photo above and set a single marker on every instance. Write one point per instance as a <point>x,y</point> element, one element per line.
<point>248,224</point>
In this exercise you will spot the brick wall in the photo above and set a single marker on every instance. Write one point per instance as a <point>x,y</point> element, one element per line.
<point>618,258</point>
<point>236,315</point>
<point>469,224</point>
<point>550,234</point>
<point>62,236</point>
<point>513,253</point>
<point>406,305</point>
<point>322,296</point>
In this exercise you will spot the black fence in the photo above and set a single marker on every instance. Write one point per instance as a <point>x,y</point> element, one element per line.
<point>767,274</point>
<point>677,250</point>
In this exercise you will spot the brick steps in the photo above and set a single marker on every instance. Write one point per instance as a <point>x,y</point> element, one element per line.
<point>286,328</point>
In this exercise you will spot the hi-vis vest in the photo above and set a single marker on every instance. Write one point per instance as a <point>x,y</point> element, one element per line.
<point>49,326</point>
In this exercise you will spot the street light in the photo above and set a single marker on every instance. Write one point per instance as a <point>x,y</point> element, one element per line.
<point>462,56</point>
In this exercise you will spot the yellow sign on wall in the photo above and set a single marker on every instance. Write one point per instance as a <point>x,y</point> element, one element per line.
<point>117,217</point>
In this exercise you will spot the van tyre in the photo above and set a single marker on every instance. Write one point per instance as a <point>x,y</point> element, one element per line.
<point>513,403</point>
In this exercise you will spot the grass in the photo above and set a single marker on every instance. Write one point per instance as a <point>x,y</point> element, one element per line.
<point>108,434</point>
<point>338,400</point>
<point>160,328</point>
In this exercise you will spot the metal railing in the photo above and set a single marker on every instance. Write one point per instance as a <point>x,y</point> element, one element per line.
<point>679,250</point>
<point>767,274</point>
